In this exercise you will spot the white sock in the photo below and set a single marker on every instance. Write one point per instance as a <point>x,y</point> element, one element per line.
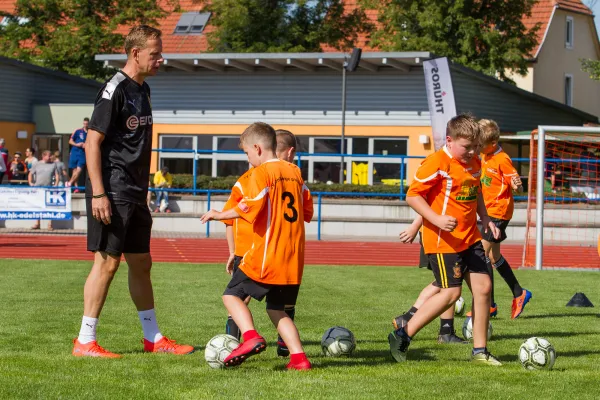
<point>150,326</point>
<point>87,333</point>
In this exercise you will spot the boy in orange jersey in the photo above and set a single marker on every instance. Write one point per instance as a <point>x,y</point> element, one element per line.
<point>498,180</point>
<point>277,205</point>
<point>239,232</point>
<point>445,192</point>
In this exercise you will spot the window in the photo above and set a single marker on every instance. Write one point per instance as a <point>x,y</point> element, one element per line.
<point>327,145</point>
<point>569,90</point>
<point>229,143</point>
<point>360,145</point>
<point>569,33</point>
<point>177,142</point>
<point>232,168</point>
<point>192,23</point>
<point>390,147</point>
<point>178,165</point>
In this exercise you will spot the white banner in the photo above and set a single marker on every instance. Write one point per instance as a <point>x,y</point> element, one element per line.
<point>24,202</point>
<point>440,97</point>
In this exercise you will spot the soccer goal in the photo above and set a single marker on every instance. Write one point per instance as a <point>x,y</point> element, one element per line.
<point>563,206</point>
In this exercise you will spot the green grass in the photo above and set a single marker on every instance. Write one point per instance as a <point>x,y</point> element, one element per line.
<point>41,307</point>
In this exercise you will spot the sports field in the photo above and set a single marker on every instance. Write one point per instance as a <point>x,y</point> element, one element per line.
<point>42,305</point>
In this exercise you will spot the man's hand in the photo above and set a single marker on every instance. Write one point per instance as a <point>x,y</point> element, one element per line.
<point>229,265</point>
<point>489,225</point>
<point>101,210</point>
<point>409,235</point>
<point>445,222</point>
<point>210,215</point>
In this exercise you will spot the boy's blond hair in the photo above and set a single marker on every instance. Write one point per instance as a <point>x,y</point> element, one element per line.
<point>285,140</point>
<point>463,126</point>
<point>490,132</point>
<point>259,132</point>
<point>139,35</point>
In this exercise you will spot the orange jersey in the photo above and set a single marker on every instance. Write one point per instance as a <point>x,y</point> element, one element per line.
<point>450,188</point>
<point>497,172</point>
<point>242,230</point>
<point>277,205</point>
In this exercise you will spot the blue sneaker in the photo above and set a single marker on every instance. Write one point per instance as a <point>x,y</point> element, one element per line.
<point>520,302</point>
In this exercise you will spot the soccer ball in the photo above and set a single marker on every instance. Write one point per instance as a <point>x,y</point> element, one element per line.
<point>459,307</point>
<point>218,349</point>
<point>467,329</point>
<point>537,353</point>
<point>338,341</point>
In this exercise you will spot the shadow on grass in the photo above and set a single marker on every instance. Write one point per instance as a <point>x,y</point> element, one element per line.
<point>563,315</point>
<point>541,334</point>
<point>578,353</point>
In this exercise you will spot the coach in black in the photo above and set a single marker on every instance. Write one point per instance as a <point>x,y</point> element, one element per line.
<point>118,150</point>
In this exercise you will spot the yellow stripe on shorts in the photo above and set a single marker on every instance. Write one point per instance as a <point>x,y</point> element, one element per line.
<point>442,267</point>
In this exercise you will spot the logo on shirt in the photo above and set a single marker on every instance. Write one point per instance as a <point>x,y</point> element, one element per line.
<point>468,191</point>
<point>457,271</point>
<point>486,180</point>
<point>134,122</point>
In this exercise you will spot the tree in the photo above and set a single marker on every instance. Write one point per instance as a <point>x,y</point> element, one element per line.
<point>485,35</point>
<point>247,26</point>
<point>65,35</point>
<point>592,67</point>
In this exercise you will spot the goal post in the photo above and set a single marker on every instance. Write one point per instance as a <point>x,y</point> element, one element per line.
<point>574,142</point>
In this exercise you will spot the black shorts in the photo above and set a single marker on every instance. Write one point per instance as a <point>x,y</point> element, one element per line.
<point>449,268</point>
<point>501,224</point>
<point>237,260</point>
<point>423,258</point>
<point>128,232</point>
<point>278,296</point>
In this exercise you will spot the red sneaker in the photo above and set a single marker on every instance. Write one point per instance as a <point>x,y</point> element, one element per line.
<point>301,366</point>
<point>166,345</point>
<point>246,349</point>
<point>91,349</point>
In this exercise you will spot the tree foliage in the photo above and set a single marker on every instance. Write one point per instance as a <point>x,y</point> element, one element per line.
<point>592,67</point>
<point>65,35</point>
<point>247,26</point>
<point>486,35</point>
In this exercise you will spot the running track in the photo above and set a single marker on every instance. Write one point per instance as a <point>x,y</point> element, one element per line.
<point>55,247</point>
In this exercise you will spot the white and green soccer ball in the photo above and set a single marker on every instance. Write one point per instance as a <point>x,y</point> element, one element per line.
<point>537,353</point>
<point>467,329</point>
<point>218,348</point>
<point>459,307</point>
<point>338,341</point>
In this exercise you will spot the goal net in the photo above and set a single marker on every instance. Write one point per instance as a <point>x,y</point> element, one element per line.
<point>571,199</point>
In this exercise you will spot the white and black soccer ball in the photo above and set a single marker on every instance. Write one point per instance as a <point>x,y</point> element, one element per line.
<point>537,353</point>
<point>459,307</point>
<point>467,329</point>
<point>338,341</point>
<point>218,348</point>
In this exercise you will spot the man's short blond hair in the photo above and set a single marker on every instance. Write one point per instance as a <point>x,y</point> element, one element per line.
<point>463,126</point>
<point>285,140</point>
<point>138,37</point>
<point>259,132</point>
<point>490,132</point>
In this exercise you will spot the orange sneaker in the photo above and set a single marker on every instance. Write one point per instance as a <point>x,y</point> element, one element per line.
<point>493,311</point>
<point>166,345</point>
<point>520,302</point>
<point>91,349</point>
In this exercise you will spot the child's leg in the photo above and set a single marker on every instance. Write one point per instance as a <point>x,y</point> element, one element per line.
<point>240,312</point>
<point>505,270</point>
<point>428,292</point>
<point>489,263</point>
<point>481,286</point>
<point>433,308</point>
<point>287,329</point>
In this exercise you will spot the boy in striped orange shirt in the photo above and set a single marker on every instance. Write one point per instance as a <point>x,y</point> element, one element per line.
<point>277,205</point>
<point>239,232</point>
<point>446,193</point>
<point>498,180</point>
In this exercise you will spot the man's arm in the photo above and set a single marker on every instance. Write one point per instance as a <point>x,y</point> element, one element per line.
<point>30,177</point>
<point>72,142</point>
<point>219,215</point>
<point>100,206</point>
<point>486,222</point>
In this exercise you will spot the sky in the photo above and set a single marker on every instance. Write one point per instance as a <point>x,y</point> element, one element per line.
<point>596,11</point>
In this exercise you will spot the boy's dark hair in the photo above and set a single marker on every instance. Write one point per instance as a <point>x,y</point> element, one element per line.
<point>464,126</point>
<point>260,132</point>
<point>285,140</point>
<point>86,119</point>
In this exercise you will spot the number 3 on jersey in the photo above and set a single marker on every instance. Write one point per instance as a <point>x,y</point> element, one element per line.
<point>290,204</point>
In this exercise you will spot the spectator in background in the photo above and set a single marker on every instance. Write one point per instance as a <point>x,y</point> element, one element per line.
<point>18,170</point>
<point>44,173</point>
<point>4,156</point>
<point>61,168</point>
<point>77,156</point>
<point>2,169</point>
<point>589,169</point>
<point>162,179</point>
<point>30,159</point>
